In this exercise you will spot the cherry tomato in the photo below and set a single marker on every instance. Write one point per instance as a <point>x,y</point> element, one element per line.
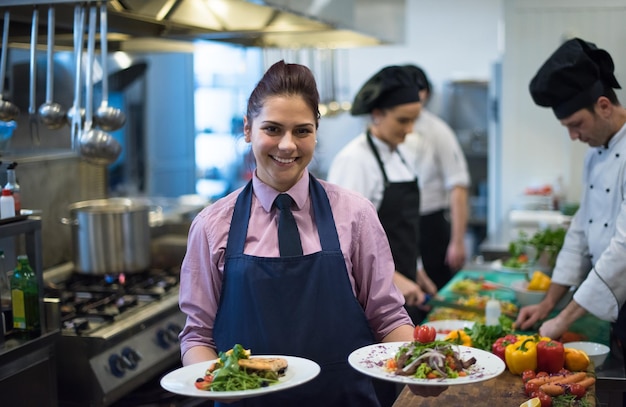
<point>546,401</point>
<point>530,388</point>
<point>424,333</point>
<point>576,389</point>
<point>528,375</point>
<point>202,384</point>
<point>542,374</point>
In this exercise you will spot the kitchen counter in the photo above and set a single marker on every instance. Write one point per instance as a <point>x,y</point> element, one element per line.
<point>506,389</point>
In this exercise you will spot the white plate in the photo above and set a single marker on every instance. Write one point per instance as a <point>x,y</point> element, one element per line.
<point>444,326</point>
<point>181,381</point>
<point>370,360</point>
<point>498,266</point>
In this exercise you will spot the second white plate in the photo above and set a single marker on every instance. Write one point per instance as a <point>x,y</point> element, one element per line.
<point>370,360</point>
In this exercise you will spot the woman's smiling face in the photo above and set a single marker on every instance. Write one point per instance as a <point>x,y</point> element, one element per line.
<point>283,138</point>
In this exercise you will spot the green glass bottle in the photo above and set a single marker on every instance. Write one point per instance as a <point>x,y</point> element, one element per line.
<point>25,299</point>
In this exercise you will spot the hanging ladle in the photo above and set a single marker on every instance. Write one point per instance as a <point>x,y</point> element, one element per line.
<point>108,118</point>
<point>8,111</point>
<point>52,114</point>
<point>75,114</point>
<point>33,121</point>
<point>95,146</point>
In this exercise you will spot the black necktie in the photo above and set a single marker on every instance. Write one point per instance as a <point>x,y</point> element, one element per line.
<point>288,236</point>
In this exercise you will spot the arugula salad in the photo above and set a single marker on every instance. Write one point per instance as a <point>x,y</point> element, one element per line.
<point>235,370</point>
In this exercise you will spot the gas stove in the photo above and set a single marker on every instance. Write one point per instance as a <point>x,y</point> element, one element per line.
<point>118,331</point>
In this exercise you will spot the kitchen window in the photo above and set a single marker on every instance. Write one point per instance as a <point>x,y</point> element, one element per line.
<point>224,78</point>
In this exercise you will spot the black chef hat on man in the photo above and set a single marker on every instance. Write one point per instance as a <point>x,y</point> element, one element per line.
<point>573,77</point>
<point>389,87</point>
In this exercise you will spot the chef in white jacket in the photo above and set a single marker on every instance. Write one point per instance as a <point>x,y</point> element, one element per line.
<point>577,82</point>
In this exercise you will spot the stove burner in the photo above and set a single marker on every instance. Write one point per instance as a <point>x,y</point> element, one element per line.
<point>89,301</point>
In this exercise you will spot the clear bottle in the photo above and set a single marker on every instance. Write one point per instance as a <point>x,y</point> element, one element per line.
<point>25,299</point>
<point>7,205</point>
<point>492,312</point>
<point>14,187</point>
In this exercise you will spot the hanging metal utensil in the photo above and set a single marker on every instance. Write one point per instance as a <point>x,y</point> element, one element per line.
<point>8,111</point>
<point>33,120</point>
<point>108,118</point>
<point>96,146</point>
<point>75,115</point>
<point>51,113</point>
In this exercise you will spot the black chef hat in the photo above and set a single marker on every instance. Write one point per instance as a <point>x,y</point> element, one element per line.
<point>391,86</point>
<point>574,77</point>
<point>419,76</point>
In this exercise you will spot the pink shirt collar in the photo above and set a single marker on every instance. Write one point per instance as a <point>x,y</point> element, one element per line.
<point>266,194</point>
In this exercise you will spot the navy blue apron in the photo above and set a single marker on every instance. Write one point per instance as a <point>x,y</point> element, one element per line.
<point>297,306</point>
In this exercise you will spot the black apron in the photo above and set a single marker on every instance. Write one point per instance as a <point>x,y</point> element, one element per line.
<point>435,248</point>
<point>297,306</point>
<point>399,214</point>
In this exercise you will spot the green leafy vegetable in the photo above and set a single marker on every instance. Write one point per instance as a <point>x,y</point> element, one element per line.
<point>569,400</point>
<point>547,242</point>
<point>483,336</point>
<point>229,376</point>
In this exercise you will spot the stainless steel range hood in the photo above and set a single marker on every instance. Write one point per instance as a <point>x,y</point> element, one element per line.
<point>257,23</point>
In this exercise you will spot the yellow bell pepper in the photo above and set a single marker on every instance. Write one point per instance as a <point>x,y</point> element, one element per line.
<point>576,360</point>
<point>521,356</point>
<point>539,281</point>
<point>459,337</point>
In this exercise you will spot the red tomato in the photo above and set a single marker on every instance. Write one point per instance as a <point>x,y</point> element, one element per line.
<point>530,388</point>
<point>424,333</point>
<point>202,384</point>
<point>546,401</point>
<point>576,389</point>
<point>542,374</point>
<point>528,375</point>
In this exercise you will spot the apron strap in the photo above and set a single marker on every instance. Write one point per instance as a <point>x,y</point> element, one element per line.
<point>239,224</point>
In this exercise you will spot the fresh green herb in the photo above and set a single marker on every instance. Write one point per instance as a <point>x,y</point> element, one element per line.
<point>231,377</point>
<point>546,242</point>
<point>483,336</point>
<point>569,400</point>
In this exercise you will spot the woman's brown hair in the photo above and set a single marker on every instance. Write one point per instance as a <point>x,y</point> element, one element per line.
<point>283,79</point>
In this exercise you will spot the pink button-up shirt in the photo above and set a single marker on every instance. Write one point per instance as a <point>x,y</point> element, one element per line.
<point>363,243</point>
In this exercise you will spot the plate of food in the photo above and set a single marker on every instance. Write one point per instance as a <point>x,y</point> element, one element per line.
<point>238,375</point>
<point>507,267</point>
<point>444,327</point>
<point>421,363</point>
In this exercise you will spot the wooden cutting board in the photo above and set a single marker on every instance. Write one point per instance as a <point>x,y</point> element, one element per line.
<point>504,390</point>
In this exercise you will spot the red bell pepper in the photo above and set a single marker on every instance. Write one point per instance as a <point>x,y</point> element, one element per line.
<point>501,343</point>
<point>550,356</point>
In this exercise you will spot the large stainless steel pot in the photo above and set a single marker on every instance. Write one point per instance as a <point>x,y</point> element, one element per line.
<point>110,235</point>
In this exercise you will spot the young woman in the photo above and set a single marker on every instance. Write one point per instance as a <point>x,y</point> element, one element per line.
<point>334,298</point>
<point>377,165</point>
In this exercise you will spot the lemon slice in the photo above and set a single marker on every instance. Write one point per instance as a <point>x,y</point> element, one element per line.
<point>534,402</point>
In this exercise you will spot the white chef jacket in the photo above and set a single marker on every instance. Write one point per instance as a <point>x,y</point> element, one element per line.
<point>440,163</point>
<point>355,167</point>
<point>594,251</point>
